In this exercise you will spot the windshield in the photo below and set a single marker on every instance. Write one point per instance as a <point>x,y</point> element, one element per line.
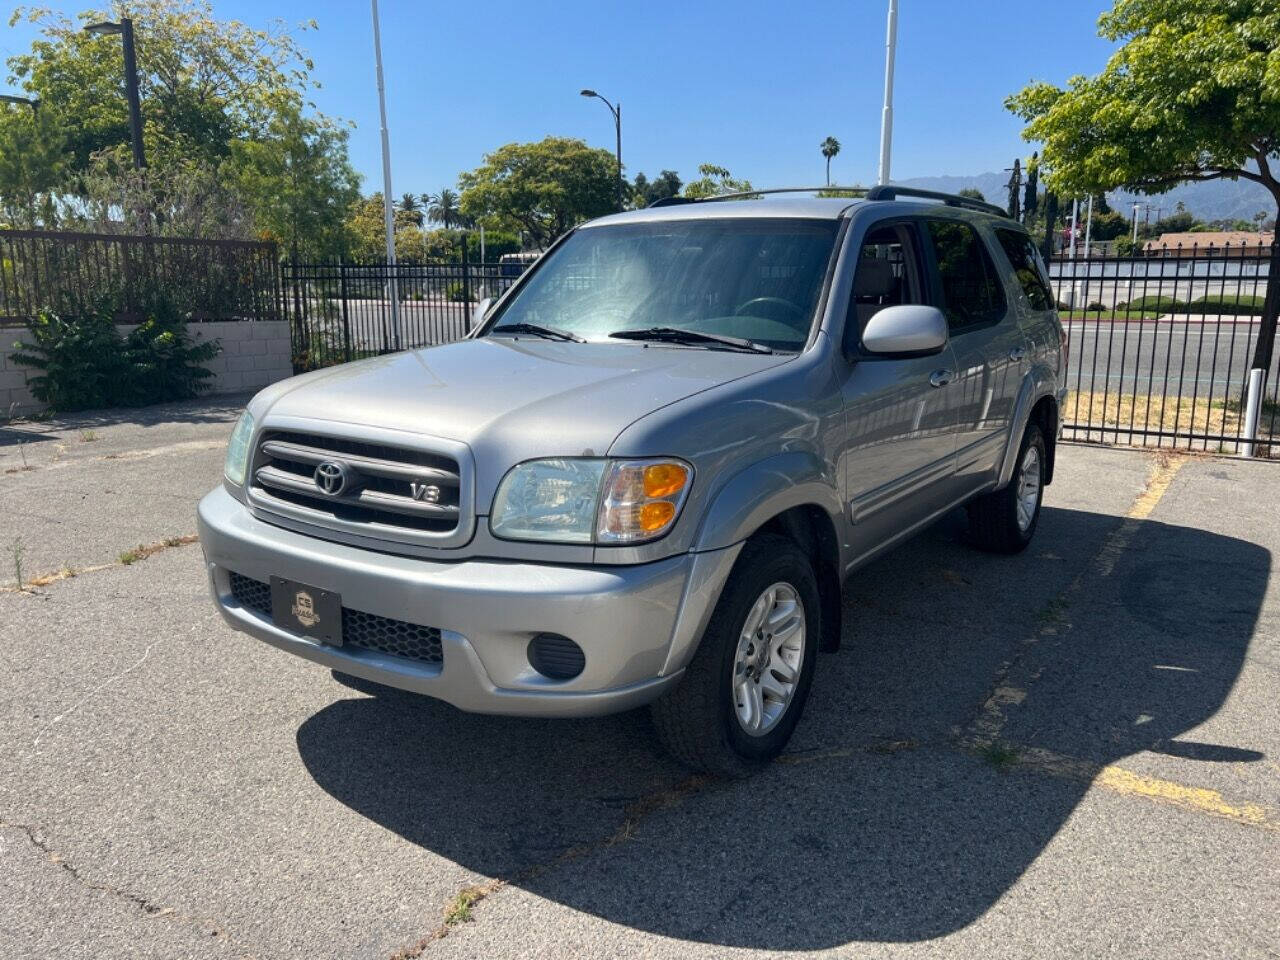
<point>756,280</point>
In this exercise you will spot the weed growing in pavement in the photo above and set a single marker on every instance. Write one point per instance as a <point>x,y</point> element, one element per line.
<point>459,908</point>
<point>17,550</point>
<point>131,556</point>
<point>88,436</point>
<point>1000,755</point>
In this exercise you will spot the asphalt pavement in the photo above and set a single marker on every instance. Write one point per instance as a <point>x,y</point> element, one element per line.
<point>1073,752</point>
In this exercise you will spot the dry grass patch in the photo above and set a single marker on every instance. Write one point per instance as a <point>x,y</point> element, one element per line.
<point>1203,415</point>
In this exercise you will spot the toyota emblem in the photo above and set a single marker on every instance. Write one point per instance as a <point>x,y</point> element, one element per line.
<point>331,478</point>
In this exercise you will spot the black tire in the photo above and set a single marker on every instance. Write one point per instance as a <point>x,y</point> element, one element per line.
<point>993,518</point>
<point>697,722</point>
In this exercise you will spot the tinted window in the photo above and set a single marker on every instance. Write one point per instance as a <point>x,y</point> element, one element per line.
<point>1027,267</point>
<point>886,276</point>
<point>970,287</point>
<point>758,279</point>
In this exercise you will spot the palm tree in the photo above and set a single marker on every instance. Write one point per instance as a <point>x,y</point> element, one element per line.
<point>830,147</point>
<point>443,208</point>
<point>409,205</point>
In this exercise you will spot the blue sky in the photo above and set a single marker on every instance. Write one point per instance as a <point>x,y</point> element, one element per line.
<point>752,86</point>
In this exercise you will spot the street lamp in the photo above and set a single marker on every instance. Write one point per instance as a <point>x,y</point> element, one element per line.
<point>125,29</point>
<point>32,102</point>
<point>616,110</point>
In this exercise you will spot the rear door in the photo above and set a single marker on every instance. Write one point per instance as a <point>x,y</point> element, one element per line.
<point>900,419</point>
<point>989,344</point>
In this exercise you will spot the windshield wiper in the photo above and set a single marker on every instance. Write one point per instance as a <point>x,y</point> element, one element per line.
<point>677,335</point>
<point>537,330</point>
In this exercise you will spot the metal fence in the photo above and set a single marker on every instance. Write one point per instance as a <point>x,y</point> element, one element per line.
<point>1161,345</point>
<point>130,276</point>
<point>342,311</point>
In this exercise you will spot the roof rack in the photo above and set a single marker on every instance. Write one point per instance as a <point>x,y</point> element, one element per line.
<point>891,191</point>
<point>743,194</point>
<point>883,192</point>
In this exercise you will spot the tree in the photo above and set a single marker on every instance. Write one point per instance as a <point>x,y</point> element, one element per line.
<point>298,183</point>
<point>443,209</point>
<point>1192,93</point>
<point>542,188</point>
<point>31,166</point>
<point>204,83</point>
<point>646,192</point>
<point>1015,190</point>
<point>973,193</point>
<point>409,205</point>
<point>1031,198</point>
<point>829,147</point>
<point>715,181</point>
<point>366,235</point>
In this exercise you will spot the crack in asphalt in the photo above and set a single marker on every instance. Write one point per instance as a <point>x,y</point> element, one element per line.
<point>142,903</point>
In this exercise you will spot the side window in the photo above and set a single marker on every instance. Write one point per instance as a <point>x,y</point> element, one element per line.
<point>971,294</point>
<point>887,274</point>
<point>1027,267</point>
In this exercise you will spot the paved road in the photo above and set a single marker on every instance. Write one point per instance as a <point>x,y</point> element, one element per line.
<point>171,789</point>
<point>1141,356</point>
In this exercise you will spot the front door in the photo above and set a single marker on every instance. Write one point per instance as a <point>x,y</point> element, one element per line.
<point>900,414</point>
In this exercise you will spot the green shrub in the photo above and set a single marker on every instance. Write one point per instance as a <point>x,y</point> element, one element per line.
<point>1228,306</point>
<point>1152,304</point>
<point>164,363</point>
<point>1095,307</point>
<point>455,292</point>
<point>81,360</point>
<point>85,363</point>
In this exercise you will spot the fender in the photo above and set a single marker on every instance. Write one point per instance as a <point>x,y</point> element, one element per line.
<point>1037,384</point>
<point>762,491</point>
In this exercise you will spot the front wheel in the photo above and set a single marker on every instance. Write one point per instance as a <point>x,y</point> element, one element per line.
<point>742,694</point>
<point>1005,521</point>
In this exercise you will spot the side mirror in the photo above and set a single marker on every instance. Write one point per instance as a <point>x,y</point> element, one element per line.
<point>909,330</point>
<point>477,315</point>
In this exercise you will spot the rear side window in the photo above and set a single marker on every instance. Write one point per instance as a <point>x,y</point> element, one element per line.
<point>1027,267</point>
<point>971,293</point>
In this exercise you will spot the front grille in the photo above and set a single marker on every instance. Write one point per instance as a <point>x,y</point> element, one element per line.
<point>369,631</point>
<point>381,485</point>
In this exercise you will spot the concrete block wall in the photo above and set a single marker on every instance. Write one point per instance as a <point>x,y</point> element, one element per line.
<point>254,354</point>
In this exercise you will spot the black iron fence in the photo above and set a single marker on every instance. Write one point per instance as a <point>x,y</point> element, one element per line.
<point>130,276</point>
<point>1161,345</point>
<point>342,311</point>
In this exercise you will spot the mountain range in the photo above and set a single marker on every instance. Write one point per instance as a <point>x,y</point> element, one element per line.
<point>1211,200</point>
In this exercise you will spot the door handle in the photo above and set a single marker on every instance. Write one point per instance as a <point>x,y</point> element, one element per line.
<point>1018,354</point>
<point>940,378</point>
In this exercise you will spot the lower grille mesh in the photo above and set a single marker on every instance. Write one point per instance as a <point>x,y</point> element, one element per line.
<point>370,631</point>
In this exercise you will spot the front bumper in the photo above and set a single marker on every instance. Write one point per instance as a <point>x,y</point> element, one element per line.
<point>637,625</point>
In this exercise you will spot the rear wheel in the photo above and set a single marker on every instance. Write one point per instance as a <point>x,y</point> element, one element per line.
<point>1005,521</point>
<point>742,694</point>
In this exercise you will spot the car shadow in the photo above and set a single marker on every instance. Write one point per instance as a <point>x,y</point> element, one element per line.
<point>875,827</point>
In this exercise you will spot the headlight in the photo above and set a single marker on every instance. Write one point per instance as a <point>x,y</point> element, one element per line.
<point>586,501</point>
<point>548,500</point>
<point>238,450</point>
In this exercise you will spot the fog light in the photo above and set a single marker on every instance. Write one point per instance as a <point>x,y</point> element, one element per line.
<point>556,657</point>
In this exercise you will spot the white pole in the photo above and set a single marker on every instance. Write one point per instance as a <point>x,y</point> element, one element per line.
<point>1088,229</point>
<point>483,275</point>
<point>1075,218</point>
<point>1135,225</point>
<point>388,216</point>
<point>886,121</point>
<point>1252,411</point>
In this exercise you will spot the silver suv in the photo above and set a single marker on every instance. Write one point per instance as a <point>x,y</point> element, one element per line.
<point>645,476</point>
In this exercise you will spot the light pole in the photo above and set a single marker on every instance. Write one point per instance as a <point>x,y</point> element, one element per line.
<point>125,29</point>
<point>886,119</point>
<point>32,102</point>
<point>616,110</point>
<point>388,217</point>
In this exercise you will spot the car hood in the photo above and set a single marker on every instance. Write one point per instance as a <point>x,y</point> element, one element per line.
<point>512,399</point>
